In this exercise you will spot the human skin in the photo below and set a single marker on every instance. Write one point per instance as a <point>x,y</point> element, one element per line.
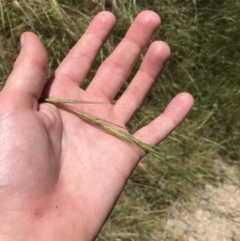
<point>60,176</point>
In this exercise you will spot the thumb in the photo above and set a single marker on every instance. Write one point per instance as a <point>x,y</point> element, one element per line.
<point>29,73</point>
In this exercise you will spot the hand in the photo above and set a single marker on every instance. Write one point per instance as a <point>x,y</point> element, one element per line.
<point>59,175</point>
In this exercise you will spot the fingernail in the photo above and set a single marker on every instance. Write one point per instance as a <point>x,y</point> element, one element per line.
<point>22,40</point>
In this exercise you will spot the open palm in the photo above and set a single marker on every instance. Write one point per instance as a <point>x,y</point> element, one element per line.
<point>59,175</point>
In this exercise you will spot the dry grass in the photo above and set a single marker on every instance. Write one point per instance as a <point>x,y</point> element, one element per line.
<point>204,39</point>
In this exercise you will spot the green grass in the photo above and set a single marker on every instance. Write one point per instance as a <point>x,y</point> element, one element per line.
<point>204,40</point>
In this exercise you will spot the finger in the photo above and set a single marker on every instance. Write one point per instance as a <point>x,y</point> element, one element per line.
<point>153,63</point>
<point>29,72</point>
<point>79,60</point>
<point>173,115</point>
<point>116,68</point>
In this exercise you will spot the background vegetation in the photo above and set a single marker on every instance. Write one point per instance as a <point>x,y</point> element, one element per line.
<point>205,43</point>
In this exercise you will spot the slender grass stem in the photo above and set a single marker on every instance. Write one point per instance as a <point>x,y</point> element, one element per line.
<point>107,126</point>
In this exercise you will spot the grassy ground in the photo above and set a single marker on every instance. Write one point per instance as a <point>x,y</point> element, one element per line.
<point>204,39</point>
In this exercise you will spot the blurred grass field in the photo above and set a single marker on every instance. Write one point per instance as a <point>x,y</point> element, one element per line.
<point>204,37</point>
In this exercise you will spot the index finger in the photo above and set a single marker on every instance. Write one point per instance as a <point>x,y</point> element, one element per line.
<point>77,64</point>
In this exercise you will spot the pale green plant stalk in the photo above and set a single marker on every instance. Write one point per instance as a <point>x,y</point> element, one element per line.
<point>107,126</point>
<point>67,101</point>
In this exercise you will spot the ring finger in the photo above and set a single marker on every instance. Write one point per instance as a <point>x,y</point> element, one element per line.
<point>152,65</point>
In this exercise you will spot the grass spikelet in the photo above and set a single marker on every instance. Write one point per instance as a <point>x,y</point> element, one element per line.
<point>107,126</point>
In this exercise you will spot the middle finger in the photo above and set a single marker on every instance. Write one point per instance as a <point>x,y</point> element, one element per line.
<point>117,67</point>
